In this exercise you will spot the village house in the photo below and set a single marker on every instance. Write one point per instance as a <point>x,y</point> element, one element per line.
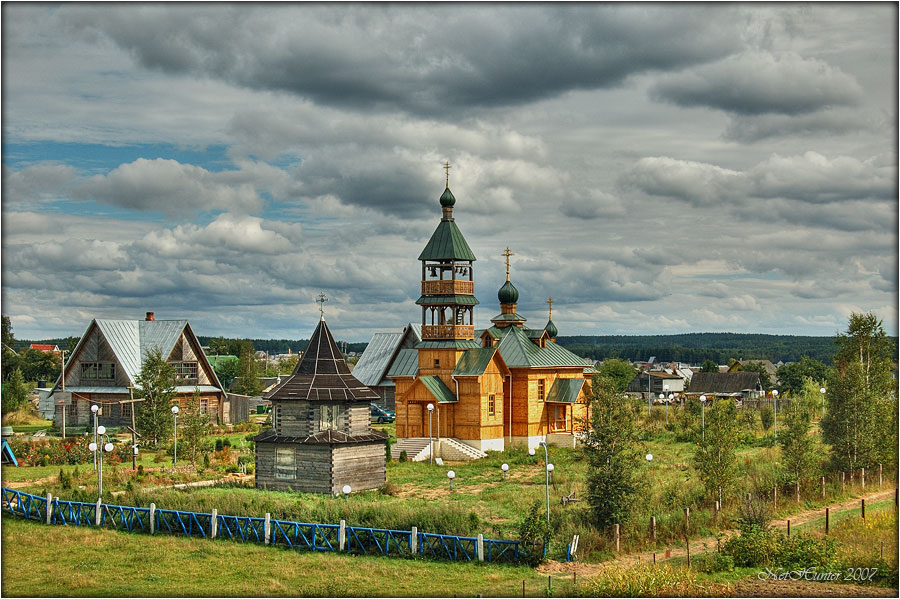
<point>726,385</point>
<point>104,367</point>
<point>321,437</point>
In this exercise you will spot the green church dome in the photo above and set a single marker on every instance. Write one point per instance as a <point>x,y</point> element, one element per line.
<point>508,294</point>
<point>551,329</point>
<point>447,199</point>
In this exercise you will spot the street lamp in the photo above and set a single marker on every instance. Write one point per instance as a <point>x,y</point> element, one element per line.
<point>703,417</point>
<point>430,442</point>
<point>505,469</point>
<point>666,392</point>
<point>346,489</point>
<point>822,391</point>
<point>175,428</point>
<point>671,399</point>
<point>775,395</point>
<point>649,458</point>
<point>550,468</point>
<point>94,409</point>
<point>93,446</point>
<point>451,475</point>
<point>531,453</point>
<point>547,477</point>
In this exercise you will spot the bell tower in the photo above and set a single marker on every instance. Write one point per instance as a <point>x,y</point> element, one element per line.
<point>448,291</point>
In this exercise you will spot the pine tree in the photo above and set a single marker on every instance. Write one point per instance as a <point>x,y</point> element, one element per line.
<point>156,385</point>
<point>15,393</point>
<point>614,456</point>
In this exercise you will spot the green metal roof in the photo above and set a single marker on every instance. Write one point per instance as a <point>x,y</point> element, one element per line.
<point>474,361</point>
<point>509,318</point>
<point>461,300</point>
<point>406,363</point>
<point>565,390</point>
<point>447,243</point>
<point>518,350</point>
<point>449,343</point>
<point>436,386</point>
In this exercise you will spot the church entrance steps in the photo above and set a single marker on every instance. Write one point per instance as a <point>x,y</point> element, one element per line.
<point>455,450</point>
<point>416,449</point>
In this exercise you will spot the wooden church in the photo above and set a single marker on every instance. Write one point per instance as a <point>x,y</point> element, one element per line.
<point>321,438</point>
<point>502,386</point>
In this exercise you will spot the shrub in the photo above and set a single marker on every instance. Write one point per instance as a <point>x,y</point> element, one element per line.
<point>219,445</point>
<point>534,534</point>
<point>403,457</point>
<point>756,547</point>
<point>644,580</point>
<point>713,562</point>
<point>389,488</point>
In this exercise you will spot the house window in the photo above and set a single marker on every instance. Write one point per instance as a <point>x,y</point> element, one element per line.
<point>204,406</point>
<point>437,363</point>
<point>328,417</point>
<point>98,371</point>
<point>285,463</point>
<point>185,371</point>
<point>540,390</point>
<point>72,411</point>
<point>275,417</point>
<point>491,405</point>
<point>126,410</point>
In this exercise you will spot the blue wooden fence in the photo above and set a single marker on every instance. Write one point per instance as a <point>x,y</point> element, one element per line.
<point>294,535</point>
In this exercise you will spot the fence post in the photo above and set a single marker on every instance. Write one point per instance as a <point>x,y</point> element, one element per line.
<point>880,479</point>
<point>653,527</point>
<point>414,540</point>
<point>616,534</point>
<point>823,487</point>
<point>862,507</point>
<point>480,547</point>
<point>842,482</point>
<point>788,528</point>
<point>827,511</point>
<point>687,520</point>
<point>267,528</point>
<point>797,490</point>
<point>49,507</point>
<point>862,476</point>
<point>687,544</point>
<point>152,518</point>
<point>342,535</point>
<point>98,513</point>
<point>213,523</point>
<point>774,497</point>
<point>716,509</point>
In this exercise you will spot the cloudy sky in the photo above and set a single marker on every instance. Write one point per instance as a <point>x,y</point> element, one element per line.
<point>656,169</point>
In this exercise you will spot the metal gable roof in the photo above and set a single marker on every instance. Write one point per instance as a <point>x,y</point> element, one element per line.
<point>438,389</point>
<point>376,358</point>
<point>406,364</point>
<point>462,300</point>
<point>565,390</point>
<point>447,243</point>
<point>519,351</point>
<point>473,362</point>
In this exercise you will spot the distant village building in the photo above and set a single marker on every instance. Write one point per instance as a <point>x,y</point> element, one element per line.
<point>46,348</point>
<point>108,359</point>
<point>721,385</point>
<point>321,437</point>
<point>660,381</point>
<point>489,389</point>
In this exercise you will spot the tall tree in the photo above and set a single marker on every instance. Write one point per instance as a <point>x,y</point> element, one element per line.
<point>248,382</point>
<point>614,456</point>
<point>156,385</point>
<point>715,457</point>
<point>709,366</point>
<point>194,426</point>
<point>620,372</point>
<point>860,402</point>
<point>15,393</point>
<point>764,379</point>
<point>36,365</point>
<point>790,376</point>
<point>799,458</point>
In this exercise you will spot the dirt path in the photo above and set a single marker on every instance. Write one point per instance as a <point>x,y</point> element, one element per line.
<point>702,545</point>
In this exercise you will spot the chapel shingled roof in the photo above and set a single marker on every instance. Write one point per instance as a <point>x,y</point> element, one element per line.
<point>322,374</point>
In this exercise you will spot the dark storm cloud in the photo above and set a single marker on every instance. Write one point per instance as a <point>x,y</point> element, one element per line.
<point>761,83</point>
<point>427,60</point>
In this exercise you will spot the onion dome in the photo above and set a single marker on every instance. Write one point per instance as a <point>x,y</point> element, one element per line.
<point>551,329</point>
<point>508,294</point>
<point>447,199</point>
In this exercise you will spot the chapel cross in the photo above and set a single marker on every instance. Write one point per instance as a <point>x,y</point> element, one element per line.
<point>321,300</point>
<point>507,253</point>
<point>447,168</point>
<point>550,304</point>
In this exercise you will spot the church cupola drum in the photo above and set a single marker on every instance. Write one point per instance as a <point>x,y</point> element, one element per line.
<point>448,285</point>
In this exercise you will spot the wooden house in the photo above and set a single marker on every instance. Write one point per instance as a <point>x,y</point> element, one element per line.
<point>381,352</point>
<point>104,367</point>
<point>321,438</point>
<point>733,385</point>
<point>507,385</point>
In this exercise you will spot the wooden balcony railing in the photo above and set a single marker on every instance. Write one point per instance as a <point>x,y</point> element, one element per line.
<point>448,287</point>
<point>448,331</point>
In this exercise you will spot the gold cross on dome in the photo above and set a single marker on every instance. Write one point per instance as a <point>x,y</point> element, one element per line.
<point>550,303</point>
<point>507,253</point>
<point>321,300</point>
<point>447,168</point>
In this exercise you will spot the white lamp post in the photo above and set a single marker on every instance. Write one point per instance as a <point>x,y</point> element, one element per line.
<point>505,469</point>
<point>93,446</point>
<point>94,409</point>
<point>346,489</point>
<point>822,391</point>
<point>649,458</point>
<point>666,392</point>
<point>550,468</point>
<point>531,453</point>
<point>775,395</point>
<point>671,398</point>
<point>547,477</point>
<point>430,441</point>
<point>175,428</point>
<point>451,475</point>
<point>703,418</point>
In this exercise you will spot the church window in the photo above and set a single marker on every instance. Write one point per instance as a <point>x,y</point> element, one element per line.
<point>540,389</point>
<point>285,463</point>
<point>491,405</point>
<point>437,363</point>
<point>328,417</point>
